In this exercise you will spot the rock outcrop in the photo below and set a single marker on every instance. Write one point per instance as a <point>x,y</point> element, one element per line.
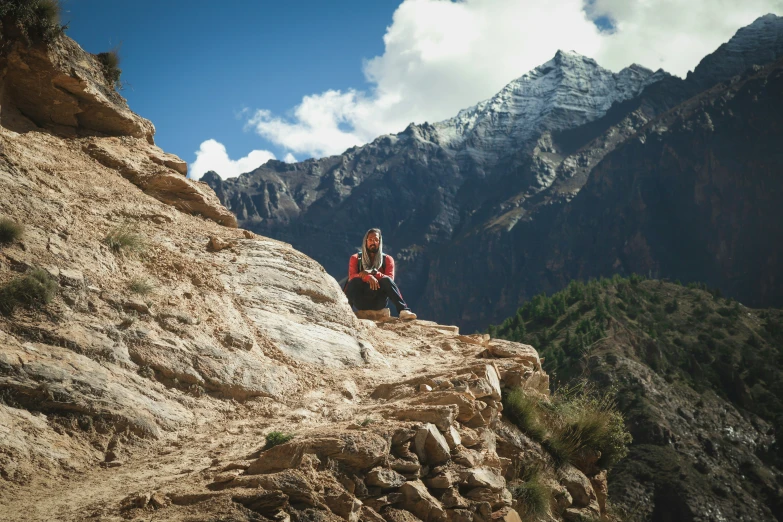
<point>63,89</point>
<point>59,88</point>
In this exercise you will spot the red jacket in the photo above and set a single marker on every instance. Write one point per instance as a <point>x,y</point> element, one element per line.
<point>353,269</point>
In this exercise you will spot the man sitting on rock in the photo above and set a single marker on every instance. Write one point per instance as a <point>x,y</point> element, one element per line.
<point>371,278</point>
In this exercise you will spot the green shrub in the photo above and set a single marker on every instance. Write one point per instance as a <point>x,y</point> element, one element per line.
<point>32,290</point>
<point>532,494</point>
<point>110,63</point>
<point>10,230</point>
<point>122,239</point>
<point>584,421</point>
<point>523,411</point>
<point>140,285</point>
<point>33,20</point>
<point>275,438</point>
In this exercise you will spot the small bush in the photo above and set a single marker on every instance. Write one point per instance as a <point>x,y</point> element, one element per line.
<point>523,411</point>
<point>587,421</point>
<point>33,20</point>
<point>533,494</point>
<point>10,231</point>
<point>32,290</point>
<point>275,438</point>
<point>140,285</point>
<point>122,239</point>
<point>110,62</point>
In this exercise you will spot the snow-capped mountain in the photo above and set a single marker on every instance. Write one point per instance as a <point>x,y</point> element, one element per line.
<point>567,91</point>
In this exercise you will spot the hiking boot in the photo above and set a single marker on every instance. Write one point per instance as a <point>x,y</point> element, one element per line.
<point>407,315</point>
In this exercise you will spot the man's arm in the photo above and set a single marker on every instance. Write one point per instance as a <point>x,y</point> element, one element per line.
<point>388,269</point>
<point>353,267</point>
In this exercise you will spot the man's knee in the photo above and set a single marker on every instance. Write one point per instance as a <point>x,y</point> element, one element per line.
<point>385,282</point>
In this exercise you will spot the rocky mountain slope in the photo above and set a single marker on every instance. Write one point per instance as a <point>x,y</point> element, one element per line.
<point>698,378</point>
<point>148,348</point>
<point>423,185</point>
<point>693,196</point>
<point>466,203</point>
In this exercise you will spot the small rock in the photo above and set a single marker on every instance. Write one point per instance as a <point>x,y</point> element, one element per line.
<point>601,489</point>
<point>577,485</point>
<point>441,416</point>
<point>425,388</point>
<point>430,446</point>
<point>136,306</point>
<point>485,478</point>
<point>232,339</point>
<point>469,437</point>
<point>216,244</point>
<point>374,315</point>
<point>442,480</point>
<point>70,277</point>
<point>452,499</point>
<point>349,389</point>
<point>384,478</point>
<point>158,500</point>
<point>452,437</point>
<point>418,501</point>
<point>277,458</point>
<point>343,504</point>
<point>135,500</point>
<point>506,514</point>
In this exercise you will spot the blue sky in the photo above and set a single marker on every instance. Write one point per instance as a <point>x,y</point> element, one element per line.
<point>231,84</point>
<point>191,67</point>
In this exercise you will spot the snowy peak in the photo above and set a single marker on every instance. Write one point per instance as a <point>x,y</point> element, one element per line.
<point>568,90</point>
<point>758,43</point>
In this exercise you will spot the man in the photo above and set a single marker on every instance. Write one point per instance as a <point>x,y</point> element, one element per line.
<point>371,278</point>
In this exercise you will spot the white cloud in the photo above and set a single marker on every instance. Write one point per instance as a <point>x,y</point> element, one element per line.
<point>212,155</point>
<point>289,158</point>
<point>673,34</point>
<point>442,56</point>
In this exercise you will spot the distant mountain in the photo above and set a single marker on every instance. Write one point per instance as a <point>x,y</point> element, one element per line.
<point>469,206</point>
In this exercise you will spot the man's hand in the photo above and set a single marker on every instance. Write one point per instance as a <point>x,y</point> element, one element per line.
<point>374,284</point>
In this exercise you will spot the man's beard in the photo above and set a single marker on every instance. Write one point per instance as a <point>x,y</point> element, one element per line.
<point>372,249</point>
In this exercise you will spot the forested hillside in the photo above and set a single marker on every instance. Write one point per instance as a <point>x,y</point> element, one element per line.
<point>697,376</point>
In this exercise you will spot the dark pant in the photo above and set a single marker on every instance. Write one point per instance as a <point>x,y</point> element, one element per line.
<point>363,298</point>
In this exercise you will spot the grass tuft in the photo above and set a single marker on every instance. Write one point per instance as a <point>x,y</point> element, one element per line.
<point>275,438</point>
<point>532,495</point>
<point>577,422</point>
<point>110,63</point>
<point>141,286</point>
<point>10,231</point>
<point>523,410</point>
<point>33,290</point>
<point>122,239</point>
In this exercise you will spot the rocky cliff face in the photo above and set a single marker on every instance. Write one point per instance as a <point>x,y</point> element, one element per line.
<point>467,205</point>
<point>176,343</point>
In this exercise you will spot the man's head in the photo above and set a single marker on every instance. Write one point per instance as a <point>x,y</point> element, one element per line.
<point>372,249</point>
<point>372,240</point>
